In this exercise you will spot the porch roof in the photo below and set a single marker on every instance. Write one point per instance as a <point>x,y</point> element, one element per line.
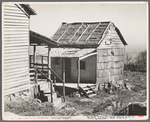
<point>71,52</point>
<point>40,40</point>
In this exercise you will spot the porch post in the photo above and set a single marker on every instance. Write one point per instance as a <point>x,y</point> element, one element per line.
<point>78,72</point>
<point>49,63</point>
<point>36,74</point>
<point>49,74</point>
<point>63,60</point>
<point>34,55</point>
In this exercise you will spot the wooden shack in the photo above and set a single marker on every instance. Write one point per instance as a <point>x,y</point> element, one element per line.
<point>107,61</point>
<point>15,46</point>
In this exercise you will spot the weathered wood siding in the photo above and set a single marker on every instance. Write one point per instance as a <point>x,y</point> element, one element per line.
<point>110,58</point>
<point>86,76</point>
<point>57,68</point>
<point>15,49</point>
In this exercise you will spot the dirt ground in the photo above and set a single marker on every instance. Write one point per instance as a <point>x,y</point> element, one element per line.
<point>101,104</point>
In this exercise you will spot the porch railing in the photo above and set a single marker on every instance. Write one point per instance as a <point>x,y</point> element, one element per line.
<point>37,70</point>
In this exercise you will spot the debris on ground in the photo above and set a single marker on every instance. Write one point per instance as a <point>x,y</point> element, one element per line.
<point>103,103</point>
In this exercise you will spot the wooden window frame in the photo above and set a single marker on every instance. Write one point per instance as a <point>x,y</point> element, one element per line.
<point>82,65</point>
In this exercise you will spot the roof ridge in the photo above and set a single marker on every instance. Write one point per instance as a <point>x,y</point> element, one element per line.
<point>86,22</point>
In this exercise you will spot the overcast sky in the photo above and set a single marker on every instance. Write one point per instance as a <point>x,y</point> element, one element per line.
<point>130,18</point>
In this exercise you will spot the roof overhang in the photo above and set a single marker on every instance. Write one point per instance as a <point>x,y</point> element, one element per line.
<point>40,40</point>
<point>72,52</point>
<point>81,46</point>
<point>28,11</point>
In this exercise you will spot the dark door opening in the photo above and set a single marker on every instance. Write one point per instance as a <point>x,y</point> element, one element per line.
<point>67,69</point>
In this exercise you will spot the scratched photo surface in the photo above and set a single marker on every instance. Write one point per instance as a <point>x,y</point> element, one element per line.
<point>75,61</point>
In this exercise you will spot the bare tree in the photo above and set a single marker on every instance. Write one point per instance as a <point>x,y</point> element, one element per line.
<point>141,58</point>
<point>128,58</point>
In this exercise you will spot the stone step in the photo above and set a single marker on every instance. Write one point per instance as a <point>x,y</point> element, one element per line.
<point>60,106</point>
<point>49,96</point>
<point>57,101</point>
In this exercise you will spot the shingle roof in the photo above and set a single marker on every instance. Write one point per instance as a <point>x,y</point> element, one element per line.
<point>81,34</point>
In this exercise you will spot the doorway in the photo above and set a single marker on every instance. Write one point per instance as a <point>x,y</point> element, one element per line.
<point>68,69</point>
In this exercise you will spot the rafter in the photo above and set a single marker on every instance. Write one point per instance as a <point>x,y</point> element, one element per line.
<point>92,32</point>
<point>76,32</point>
<point>81,34</point>
<point>64,33</point>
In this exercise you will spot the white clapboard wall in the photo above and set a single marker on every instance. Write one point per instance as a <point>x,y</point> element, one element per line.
<point>15,49</point>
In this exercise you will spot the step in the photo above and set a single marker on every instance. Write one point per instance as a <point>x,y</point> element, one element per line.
<point>91,95</point>
<point>57,101</point>
<point>49,95</point>
<point>92,86</point>
<point>48,90</point>
<point>60,106</point>
<point>90,91</point>
<point>44,86</point>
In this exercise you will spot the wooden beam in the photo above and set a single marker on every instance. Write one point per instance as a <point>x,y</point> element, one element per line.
<point>104,35</point>
<point>49,74</point>
<point>76,31</point>
<point>63,33</point>
<point>34,54</point>
<point>49,63</point>
<point>64,78</point>
<point>78,72</point>
<point>82,33</point>
<point>92,32</point>
<point>83,57</point>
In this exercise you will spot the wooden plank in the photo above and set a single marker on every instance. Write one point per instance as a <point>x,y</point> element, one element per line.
<point>78,72</point>
<point>16,70</point>
<point>15,60</point>
<point>16,48</point>
<point>15,63</point>
<point>13,6</point>
<point>14,67</point>
<point>12,10</point>
<point>15,90</point>
<point>14,13</point>
<point>16,23</point>
<point>63,33</point>
<point>9,45</point>
<point>17,54</point>
<point>14,79</point>
<point>15,76</point>
<point>15,41</point>
<point>24,50</point>
<point>16,37</point>
<point>16,84</point>
<point>10,29</point>
<point>16,32</point>
<point>92,32</point>
<point>9,57</point>
<point>76,32</point>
